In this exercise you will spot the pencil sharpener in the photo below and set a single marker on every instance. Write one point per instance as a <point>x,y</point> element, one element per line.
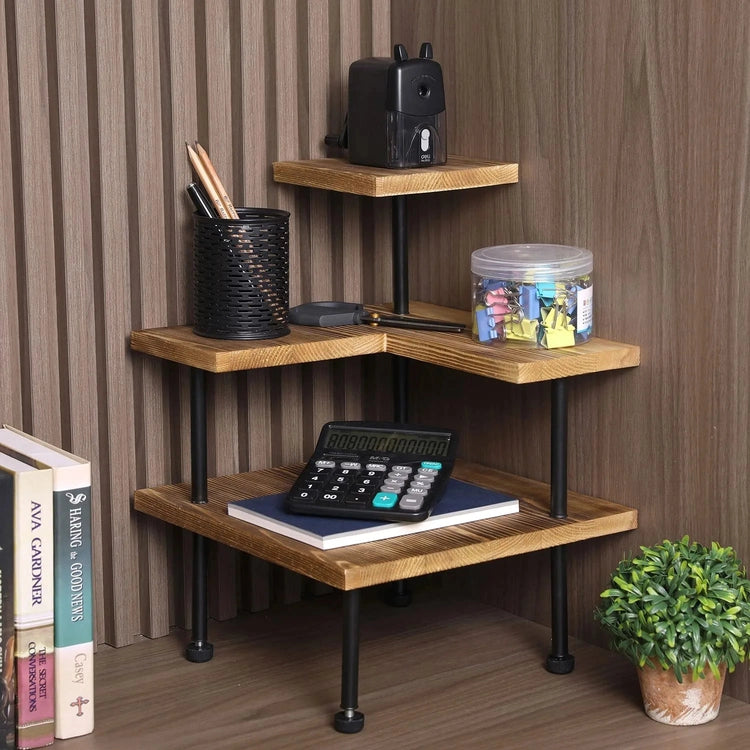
<point>396,116</point>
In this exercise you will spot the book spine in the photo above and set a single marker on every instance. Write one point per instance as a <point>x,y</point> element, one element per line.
<point>34,608</point>
<point>35,670</point>
<point>74,626</point>
<point>7,626</point>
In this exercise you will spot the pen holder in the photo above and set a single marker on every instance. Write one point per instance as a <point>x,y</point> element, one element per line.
<point>241,275</point>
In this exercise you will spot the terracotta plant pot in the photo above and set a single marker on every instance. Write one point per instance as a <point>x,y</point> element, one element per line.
<point>687,703</point>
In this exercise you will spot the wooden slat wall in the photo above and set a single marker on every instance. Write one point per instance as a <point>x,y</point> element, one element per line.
<point>630,122</point>
<point>96,241</point>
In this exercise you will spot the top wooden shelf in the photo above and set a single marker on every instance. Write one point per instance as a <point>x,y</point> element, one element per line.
<point>459,173</point>
<point>512,362</point>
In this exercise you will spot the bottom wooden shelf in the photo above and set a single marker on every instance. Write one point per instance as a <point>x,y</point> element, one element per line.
<point>372,563</point>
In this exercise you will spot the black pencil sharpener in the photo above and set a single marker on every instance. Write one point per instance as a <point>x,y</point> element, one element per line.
<point>396,116</point>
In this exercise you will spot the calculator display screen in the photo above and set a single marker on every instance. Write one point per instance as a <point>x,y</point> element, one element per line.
<point>384,441</point>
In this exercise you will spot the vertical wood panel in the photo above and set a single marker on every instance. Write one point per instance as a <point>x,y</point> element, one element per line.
<point>216,20</point>
<point>38,262</point>
<point>97,240</point>
<point>10,346</point>
<point>117,558</point>
<point>150,237</point>
<point>630,123</point>
<point>258,413</point>
<point>76,236</point>
<point>179,93</point>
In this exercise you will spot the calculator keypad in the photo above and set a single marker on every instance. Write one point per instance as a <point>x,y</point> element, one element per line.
<point>381,471</point>
<point>330,482</point>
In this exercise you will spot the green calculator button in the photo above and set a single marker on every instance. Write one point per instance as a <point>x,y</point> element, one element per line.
<point>384,500</point>
<point>432,465</point>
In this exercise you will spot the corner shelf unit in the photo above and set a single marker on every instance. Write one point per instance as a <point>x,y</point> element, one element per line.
<point>348,568</point>
<point>550,517</point>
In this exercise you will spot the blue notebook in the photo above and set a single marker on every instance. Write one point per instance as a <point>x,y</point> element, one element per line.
<point>461,502</point>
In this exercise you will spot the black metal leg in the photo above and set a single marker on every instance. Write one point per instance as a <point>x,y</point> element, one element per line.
<point>398,594</point>
<point>400,264</point>
<point>559,661</point>
<point>400,388</point>
<point>198,451</point>
<point>349,720</point>
<point>199,649</point>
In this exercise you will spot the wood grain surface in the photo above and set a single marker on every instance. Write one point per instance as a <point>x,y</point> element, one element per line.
<point>338,174</point>
<point>445,672</point>
<point>96,241</point>
<point>532,528</point>
<point>302,344</point>
<point>606,106</point>
<point>508,361</point>
<point>629,122</point>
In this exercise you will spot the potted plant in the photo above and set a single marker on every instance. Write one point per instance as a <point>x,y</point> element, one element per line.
<point>681,613</point>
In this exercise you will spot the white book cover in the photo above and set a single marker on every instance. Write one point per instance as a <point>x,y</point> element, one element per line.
<point>73,578</point>
<point>461,503</point>
<point>33,575</point>
<point>33,537</point>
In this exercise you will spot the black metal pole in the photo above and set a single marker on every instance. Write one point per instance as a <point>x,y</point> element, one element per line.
<point>400,264</point>
<point>559,661</point>
<point>198,450</point>
<point>400,388</point>
<point>199,649</point>
<point>398,594</point>
<point>559,449</point>
<point>349,720</point>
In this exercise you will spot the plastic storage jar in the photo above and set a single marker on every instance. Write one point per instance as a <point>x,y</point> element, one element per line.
<point>540,294</point>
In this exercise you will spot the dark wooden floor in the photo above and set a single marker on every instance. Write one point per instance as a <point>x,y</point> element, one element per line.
<point>445,672</point>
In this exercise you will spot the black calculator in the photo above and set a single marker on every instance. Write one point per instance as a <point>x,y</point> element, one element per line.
<point>375,470</point>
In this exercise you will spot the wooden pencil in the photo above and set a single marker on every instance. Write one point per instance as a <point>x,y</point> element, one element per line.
<point>207,182</point>
<point>207,163</point>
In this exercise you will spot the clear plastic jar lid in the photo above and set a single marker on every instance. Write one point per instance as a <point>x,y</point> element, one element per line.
<point>532,262</point>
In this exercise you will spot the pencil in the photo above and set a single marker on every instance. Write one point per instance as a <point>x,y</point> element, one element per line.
<point>228,205</point>
<point>206,181</point>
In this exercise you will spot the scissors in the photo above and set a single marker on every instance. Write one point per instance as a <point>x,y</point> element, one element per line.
<point>353,313</point>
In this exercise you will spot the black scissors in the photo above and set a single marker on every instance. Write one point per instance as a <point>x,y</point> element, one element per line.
<point>352,313</point>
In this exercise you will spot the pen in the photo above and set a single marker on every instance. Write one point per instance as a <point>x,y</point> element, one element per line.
<point>201,203</point>
<point>374,319</point>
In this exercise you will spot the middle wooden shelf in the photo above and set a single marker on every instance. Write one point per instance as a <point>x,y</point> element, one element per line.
<point>511,362</point>
<point>346,568</point>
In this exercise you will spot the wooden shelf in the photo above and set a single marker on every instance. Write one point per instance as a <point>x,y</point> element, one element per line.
<point>512,362</point>
<point>303,344</point>
<point>359,566</point>
<point>459,173</point>
<point>395,559</point>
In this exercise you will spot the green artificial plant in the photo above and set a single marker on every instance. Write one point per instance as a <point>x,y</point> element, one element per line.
<point>679,605</point>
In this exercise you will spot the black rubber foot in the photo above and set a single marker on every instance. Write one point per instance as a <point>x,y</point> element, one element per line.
<point>560,664</point>
<point>348,724</point>
<point>199,651</point>
<point>398,595</point>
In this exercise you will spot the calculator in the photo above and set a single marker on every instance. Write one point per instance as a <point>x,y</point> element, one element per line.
<point>375,470</point>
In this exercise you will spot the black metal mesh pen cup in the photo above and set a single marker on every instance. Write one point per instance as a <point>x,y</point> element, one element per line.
<point>241,275</point>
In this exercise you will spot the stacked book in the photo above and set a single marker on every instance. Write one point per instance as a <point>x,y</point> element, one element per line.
<point>46,593</point>
<point>461,503</point>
